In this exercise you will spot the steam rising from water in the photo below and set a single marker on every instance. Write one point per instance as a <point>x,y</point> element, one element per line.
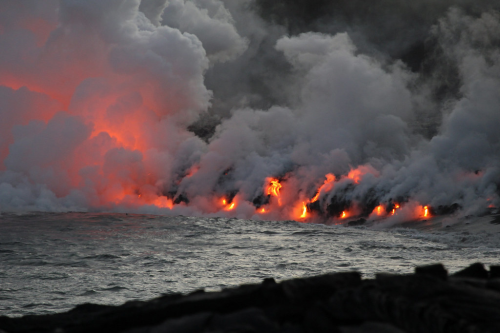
<point>175,106</point>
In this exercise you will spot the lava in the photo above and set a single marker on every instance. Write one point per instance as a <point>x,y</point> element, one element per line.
<point>164,202</point>
<point>99,110</point>
<point>326,187</point>
<point>303,210</point>
<point>274,187</point>
<point>228,206</point>
<point>379,210</point>
<point>396,206</point>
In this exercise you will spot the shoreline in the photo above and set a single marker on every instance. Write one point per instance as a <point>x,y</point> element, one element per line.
<point>428,300</point>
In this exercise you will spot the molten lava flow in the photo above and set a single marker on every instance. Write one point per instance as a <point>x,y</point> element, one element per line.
<point>300,211</point>
<point>344,215</point>
<point>262,210</point>
<point>228,206</point>
<point>379,210</point>
<point>304,211</point>
<point>274,187</point>
<point>163,202</point>
<point>326,187</point>
<point>424,212</point>
<point>396,206</point>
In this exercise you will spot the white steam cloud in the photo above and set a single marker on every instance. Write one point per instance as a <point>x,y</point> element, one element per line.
<point>98,101</point>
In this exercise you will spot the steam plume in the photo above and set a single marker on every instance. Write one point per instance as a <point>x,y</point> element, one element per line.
<point>195,107</point>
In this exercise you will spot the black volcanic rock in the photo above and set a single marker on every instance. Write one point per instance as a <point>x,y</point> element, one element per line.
<point>495,272</point>
<point>354,223</point>
<point>476,271</point>
<point>426,301</point>
<point>436,270</point>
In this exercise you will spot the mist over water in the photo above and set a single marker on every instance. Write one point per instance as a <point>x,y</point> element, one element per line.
<point>195,107</point>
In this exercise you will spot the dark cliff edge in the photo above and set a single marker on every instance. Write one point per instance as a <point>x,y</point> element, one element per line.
<point>427,301</point>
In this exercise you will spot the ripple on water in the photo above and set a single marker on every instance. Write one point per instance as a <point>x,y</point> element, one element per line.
<point>112,258</point>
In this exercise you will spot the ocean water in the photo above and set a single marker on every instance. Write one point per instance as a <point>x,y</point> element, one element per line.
<point>50,262</point>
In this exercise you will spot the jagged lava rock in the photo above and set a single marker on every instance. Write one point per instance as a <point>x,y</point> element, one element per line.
<point>428,301</point>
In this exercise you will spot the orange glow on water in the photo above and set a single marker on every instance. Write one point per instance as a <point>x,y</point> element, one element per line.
<point>326,187</point>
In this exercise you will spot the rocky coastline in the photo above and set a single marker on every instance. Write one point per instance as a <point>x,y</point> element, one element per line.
<point>430,300</point>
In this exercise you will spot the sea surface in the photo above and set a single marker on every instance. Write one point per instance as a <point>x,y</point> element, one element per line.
<point>50,262</point>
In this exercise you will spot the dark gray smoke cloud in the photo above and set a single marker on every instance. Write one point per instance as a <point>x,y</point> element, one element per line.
<point>171,106</point>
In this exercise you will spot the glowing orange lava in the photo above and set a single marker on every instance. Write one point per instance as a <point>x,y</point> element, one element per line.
<point>426,211</point>
<point>379,210</point>
<point>326,187</point>
<point>164,202</point>
<point>228,206</point>
<point>396,206</point>
<point>304,210</point>
<point>274,187</point>
<point>344,215</point>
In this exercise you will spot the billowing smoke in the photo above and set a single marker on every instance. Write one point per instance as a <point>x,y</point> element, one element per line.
<point>306,110</point>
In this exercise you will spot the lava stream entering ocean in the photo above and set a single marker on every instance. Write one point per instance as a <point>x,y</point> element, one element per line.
<point>127,106</point>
